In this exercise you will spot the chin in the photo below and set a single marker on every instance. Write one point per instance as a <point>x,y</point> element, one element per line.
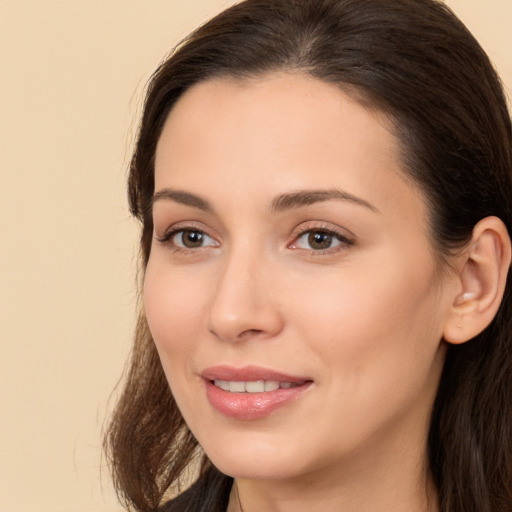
<point>260,469</point>
<point>256,458</point>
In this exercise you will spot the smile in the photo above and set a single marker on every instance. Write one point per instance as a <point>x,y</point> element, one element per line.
<point>252,392</point>
<point>258,386</point>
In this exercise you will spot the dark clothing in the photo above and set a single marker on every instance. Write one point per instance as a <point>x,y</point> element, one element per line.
<point>210,493</point>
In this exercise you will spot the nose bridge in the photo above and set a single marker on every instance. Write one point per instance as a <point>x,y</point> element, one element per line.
<point>241,305</point>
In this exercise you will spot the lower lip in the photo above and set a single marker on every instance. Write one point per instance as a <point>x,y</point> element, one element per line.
<point>251,406</point>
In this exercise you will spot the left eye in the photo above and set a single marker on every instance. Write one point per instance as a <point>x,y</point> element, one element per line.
<point>192,239</point>
<point>318,240</point>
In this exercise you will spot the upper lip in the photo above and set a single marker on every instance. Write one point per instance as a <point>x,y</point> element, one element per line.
<point>248,374</point>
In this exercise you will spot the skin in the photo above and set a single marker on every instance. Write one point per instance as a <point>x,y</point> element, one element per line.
<point>363,319</point>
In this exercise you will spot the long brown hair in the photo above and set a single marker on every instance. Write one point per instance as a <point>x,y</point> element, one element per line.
<point>417,63</point>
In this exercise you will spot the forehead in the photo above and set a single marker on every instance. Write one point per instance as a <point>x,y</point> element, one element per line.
<point>271,98</point>
<point>277,133</point>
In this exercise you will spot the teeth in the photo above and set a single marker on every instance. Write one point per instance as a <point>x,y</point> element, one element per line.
<point>258,386</point>
<point>255,387</point>
<point>237,387</point>
<point>222,384</point>
<point>271,385</point>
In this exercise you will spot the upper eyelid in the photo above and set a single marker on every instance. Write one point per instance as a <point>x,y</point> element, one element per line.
<point>315,225</point>
<point>191,225</point>
<point>342,239</point>
<point>172,230</point>
<point>330,231</point>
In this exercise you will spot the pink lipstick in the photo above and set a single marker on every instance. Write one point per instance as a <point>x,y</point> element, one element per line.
<point>251,392</point>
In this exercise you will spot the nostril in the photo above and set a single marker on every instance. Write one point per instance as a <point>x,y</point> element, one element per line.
<point>249,332</point>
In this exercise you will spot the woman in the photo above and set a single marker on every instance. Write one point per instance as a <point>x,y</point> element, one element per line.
<point>324,188</point>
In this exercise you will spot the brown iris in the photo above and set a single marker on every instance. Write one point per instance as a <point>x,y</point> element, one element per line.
<point>319,240</point>
<point>192,239</point>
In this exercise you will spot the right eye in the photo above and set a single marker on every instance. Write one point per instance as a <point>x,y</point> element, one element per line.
<point>187,239</point>
<point>191,239</point>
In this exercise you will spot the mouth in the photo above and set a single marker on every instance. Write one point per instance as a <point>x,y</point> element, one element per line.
<point>251,392</point>
<point>255,386</point>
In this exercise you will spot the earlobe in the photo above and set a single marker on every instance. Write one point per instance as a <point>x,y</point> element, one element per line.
<point>482,275</point>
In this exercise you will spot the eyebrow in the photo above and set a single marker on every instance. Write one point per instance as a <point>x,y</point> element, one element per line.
<point>308,197</point>
<point>182,197</point>
<point>281,203</point>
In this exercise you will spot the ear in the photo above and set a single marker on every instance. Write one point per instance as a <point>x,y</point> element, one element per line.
<point>482,275</point>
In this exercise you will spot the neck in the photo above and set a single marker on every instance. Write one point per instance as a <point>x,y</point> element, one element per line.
<point>250,498</point>
<point>372,485</point>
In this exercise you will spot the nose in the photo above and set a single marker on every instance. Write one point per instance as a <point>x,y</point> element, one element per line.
<point>244,304</point>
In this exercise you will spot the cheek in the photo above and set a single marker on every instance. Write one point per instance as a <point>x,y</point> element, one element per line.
<point>173,310</point>
<point>375,335</point>
<point>371,315</point>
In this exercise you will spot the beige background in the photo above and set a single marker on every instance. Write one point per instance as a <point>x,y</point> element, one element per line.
<point>71,81</point>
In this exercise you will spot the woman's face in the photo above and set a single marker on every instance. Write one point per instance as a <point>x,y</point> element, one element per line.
<point>292,291</point>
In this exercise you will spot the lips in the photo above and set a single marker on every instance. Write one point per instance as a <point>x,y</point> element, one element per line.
<point>251,392</point>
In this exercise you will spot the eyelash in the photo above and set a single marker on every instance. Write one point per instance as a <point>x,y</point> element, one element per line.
<point>171,233</point>
<point>343,240</point>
